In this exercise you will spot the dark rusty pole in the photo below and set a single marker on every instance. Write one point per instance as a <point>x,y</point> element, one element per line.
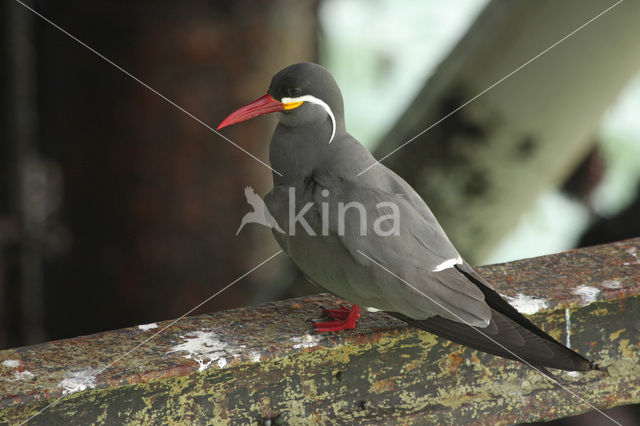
<point>251,364</point>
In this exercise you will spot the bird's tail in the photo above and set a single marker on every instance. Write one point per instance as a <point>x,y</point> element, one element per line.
<point>508,339</point>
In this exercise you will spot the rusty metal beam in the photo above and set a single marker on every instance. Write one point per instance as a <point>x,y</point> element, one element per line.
<point>252,364</point>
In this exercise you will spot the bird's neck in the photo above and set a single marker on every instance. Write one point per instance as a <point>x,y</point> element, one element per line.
<point>296,152</point>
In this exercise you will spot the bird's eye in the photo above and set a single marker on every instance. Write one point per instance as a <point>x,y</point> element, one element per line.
<point>294,92</point>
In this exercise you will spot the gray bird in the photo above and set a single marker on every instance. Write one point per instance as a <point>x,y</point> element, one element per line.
<point>370,238</point>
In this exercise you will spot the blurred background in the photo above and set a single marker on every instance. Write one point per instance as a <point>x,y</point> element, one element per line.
<point>118,209</point>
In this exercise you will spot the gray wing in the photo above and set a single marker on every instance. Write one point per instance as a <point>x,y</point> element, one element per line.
<point>446,302</point>
<point>387,180</point>
<point>415,251</point>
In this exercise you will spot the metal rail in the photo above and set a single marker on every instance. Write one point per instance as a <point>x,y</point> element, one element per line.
<point>254,364</point>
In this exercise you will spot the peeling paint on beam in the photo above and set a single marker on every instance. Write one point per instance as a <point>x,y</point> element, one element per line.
<point>381,372</point>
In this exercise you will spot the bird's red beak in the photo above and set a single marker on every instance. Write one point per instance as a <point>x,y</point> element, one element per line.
<point>263,105</point>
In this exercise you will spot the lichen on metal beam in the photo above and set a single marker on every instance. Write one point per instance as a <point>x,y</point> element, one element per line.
<point>252,364</point>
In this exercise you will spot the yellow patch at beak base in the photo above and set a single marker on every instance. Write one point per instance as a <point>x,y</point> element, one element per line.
<point>292,105</point>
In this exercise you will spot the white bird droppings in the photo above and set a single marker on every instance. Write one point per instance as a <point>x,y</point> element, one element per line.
<point>205,347</point>
<point>633,252</point>
<point>587,293</point>
<point>11,363</point>
<point>567,324</point>
<point>306,341</point>
<point>255,356</point>
<point>147,327</point>
<point>78,381</point>
<point>17,375</point>
<point>527,304</point>
<point>611,284</point>
<point>449,263</point>
<point>22,375</point>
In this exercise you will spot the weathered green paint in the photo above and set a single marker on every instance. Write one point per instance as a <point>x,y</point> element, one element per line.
<point>382,372</point>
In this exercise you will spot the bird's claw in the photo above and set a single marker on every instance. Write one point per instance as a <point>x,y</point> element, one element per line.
<point>340,313</point>
<point>344,319</point>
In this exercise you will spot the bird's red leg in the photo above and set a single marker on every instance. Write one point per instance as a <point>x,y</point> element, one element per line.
<point>340,313</point>
<point>344,319</point>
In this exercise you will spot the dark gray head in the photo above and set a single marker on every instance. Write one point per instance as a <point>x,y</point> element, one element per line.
<point>309,94</point>
<point>302,94</point>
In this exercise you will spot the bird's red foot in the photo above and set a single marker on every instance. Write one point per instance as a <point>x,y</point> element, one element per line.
<point>344,319</point>
<point>340,313</point>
